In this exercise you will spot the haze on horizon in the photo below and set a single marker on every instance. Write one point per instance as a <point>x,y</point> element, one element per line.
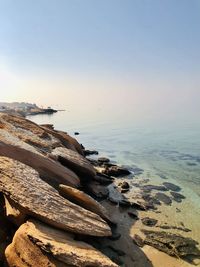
<point>145,54</point>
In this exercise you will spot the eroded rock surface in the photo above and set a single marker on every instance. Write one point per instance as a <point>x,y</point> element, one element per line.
<point>37,244</point>
<point>52,172</point>
<point>172,244</point>
<point>35,197</point>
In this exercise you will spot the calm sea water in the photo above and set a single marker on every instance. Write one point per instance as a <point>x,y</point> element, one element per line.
<point>167,149</point>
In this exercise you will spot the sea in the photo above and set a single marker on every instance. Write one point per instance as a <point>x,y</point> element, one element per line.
<point>166,148</point>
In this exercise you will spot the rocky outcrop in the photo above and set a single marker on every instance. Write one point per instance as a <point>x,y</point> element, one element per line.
<point>79,197</point>
<point>38,199</point>
<point>26,134</point>
<point>50,171</point>
<point>66,140</point>
<point>71,159</point>
<point>37,244</point>
<point>172,244</point>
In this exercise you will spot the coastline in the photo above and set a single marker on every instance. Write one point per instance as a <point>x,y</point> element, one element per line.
<point>125,207</point>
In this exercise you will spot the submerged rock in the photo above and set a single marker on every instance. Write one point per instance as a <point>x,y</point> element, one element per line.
<point>90,152</point>
<point>172,244</point>
<point>149,221</point>
<point>36,198</point>
<point>116,171</point>
<point>172,187</point>
<point>177,196</point>
<point>37,244</point>
<point>163,198</point>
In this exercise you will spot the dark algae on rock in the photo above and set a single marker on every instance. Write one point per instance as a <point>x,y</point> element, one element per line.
<point>172,244</point>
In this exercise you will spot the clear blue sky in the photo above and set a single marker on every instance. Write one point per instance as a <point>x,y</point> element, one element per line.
<point>79,47</point>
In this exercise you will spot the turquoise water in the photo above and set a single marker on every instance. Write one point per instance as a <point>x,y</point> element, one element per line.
<point>169,148</point>
<point>166,149</point>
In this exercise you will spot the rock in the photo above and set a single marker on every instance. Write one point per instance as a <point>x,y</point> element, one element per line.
<point>116,171</point>
<point>150,199</point>
<point>149,221</point>
<point>124,203</point>
<point>49,126</point>
<point>37,244</point>
<point>123,191</point>
<point>172,244</point>
<point>97,190</point>
<point>163,198</point>
<point>90,152</point>
<point>71,159</point>
<point>125,185</point>
<point>138,206</point>
<point>103,160</point>
<point>136,170</point>
<point>26,134</point>
<point>113,200</point>
<point>5,230</point>
<point>149,188</point>
<point>177,196</point>
<point>104,180</point>
<point>13,212</point>
<point>66,140</point>
<point>118,251</point>
<point>50,171</point>
<point>138,240</point>
<point>133,215</point>
<point>172,187</point>
<point>174,228</point>
<point>80,198</point>
<point>115,236</point>
<point>38,199</point>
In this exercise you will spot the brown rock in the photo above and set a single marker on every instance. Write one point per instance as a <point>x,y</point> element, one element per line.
<point>13,212</point>
<point>50,171</point>
<point>66,140</point>
<point>26,134</point>
<point>71,159</point>
<point>80,198</point>
<point>34,242</point>
<point>38,199</point>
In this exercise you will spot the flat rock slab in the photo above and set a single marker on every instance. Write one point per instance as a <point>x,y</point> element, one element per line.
<point>177,196</point>
<point>58,244</point>
<point>163,198</point>
<point>172,187</point>
<point>73,160</point>
<point>38,199</point>
<point>50,171</point>
<point>172,244</point>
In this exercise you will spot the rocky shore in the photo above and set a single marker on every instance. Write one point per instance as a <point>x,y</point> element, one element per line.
<point>62,205</point>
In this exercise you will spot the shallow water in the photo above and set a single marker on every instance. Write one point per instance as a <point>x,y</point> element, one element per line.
<point>167,150</point>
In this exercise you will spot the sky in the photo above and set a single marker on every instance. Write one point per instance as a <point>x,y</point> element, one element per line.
<point>96,53</point>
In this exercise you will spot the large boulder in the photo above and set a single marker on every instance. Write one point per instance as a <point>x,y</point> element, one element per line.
<point>66,140</point>
<point>36,198</point>
<point>71,159</point>
<point>37,244</point>
<point>50,171</point>
<point>26,134</point>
